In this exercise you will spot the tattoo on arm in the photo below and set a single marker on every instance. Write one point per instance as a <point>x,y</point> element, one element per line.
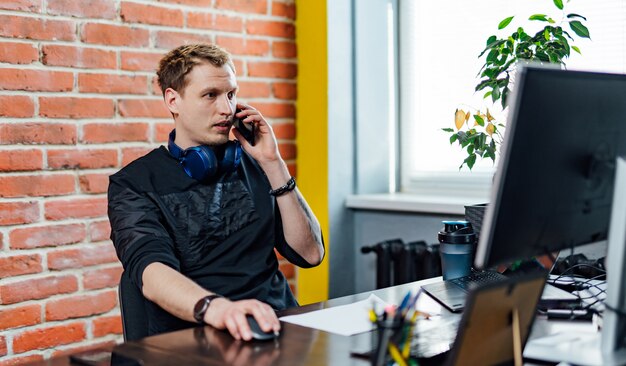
<point>314,227</point>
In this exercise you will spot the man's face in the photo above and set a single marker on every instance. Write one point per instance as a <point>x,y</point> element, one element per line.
<point>205,109</point>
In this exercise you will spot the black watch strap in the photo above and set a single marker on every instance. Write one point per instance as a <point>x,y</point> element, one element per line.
<point>202,306</point>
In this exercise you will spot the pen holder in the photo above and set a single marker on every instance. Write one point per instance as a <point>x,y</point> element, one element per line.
<point>389,330</point>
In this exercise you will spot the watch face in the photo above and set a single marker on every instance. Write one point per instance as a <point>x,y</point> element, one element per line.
<point>200,309</point>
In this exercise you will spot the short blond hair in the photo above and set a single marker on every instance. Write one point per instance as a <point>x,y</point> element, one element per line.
<point>176,64</point>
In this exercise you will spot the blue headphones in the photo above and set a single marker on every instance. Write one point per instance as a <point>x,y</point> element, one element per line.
<point>200,162</point>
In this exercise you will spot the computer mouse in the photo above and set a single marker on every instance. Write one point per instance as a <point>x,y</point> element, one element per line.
<point>257,332</point>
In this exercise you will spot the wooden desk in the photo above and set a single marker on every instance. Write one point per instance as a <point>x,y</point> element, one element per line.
<point>296,345</point>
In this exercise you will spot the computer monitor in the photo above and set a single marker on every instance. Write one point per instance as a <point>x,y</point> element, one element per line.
<point>554,186</point>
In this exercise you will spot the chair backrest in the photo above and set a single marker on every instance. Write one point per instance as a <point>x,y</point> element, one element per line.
<point>133,308</point>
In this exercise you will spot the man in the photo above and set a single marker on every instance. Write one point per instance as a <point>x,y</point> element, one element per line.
<point>195,227</point>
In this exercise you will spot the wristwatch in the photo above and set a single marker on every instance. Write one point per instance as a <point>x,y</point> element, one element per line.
<point>202,306</point>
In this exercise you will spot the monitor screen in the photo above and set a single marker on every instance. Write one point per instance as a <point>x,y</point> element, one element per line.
<point>554,184</point>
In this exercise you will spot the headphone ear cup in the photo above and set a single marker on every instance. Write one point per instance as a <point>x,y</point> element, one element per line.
<point>232,157</point>
<point>200,162</point>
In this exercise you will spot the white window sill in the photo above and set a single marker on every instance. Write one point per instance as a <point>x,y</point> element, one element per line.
<point>407,202</point>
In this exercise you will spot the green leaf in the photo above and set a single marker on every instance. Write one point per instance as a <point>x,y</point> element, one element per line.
<point>505,22</point>
<point>573,15</point>
<point>577,50</point>
<point>541,17</point>
<point>551,21</point>
<point>470,149</point>
<point>490,40</point>
<point>470,161</point>
<point>479,120</point>
<point>579,29</point>
<point>487,94</point>
<point>496,94</point>
<point>447,129</point>
<point>453,138</point>
<point>559,4</point>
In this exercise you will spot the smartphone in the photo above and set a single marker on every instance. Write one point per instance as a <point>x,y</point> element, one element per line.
<point>247,130</point>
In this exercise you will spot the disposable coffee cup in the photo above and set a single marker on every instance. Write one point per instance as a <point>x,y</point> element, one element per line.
<point>457,242</point>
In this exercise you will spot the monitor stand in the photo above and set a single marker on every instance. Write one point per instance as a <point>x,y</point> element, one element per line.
<point>609,346</point>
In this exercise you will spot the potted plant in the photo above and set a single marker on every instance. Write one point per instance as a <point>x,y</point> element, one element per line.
<point>477,130</point>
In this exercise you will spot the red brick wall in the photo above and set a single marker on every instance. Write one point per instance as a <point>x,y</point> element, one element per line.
<point>78,101</point>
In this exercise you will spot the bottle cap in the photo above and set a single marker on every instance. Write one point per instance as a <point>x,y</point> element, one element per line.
<point>457,232</point>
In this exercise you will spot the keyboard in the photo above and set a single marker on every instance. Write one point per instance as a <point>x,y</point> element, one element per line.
<point>475,279</point>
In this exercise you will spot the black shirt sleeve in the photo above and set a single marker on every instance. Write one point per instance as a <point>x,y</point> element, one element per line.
<point>137,231</point>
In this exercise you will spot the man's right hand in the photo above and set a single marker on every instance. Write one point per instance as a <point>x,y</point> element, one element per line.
<point>231,315</point>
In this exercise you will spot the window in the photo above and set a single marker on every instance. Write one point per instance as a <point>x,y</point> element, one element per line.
<point>438,47</point>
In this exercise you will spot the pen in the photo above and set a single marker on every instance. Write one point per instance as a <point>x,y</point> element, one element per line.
<point>395,354</point>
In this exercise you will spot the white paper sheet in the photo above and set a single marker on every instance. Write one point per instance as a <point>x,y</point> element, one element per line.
<point>345,320</point>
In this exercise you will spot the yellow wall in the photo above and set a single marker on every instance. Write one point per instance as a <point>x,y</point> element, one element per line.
<point>311,126</point>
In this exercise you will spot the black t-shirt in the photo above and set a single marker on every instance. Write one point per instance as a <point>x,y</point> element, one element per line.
<point>221,233</point>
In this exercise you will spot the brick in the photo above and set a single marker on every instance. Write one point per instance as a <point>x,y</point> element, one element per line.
<point>293,169</point>
<point>284,49</point>
<point>239,67</point>
<point>162,131</point>
<point>156,89</point>
<point>99,230</point>
<point>273,69</point>
<point>3,346</point>
<point>285,91</point>
<point>102,278</point>
<point>37,28</point>
<point>21,360</point>
<point>20,317</point>
<point>38,133</point>
<point>200,3</point>
<point>150,14</point>
<point>18,213</point>
<point>271,28</point>
<point>36,80</point>
<point>169,40</point>
<point>37,288</point>
<point>75,208</point>
<point>17,265</point>
<point>132,153</point>
<point>20,160</point>
<point>81,257</point>
<point>19,106</point>
<point>241,46</point>
<point>78,57</point>
<point>93,183</point>
<point>36,185</point>
<point>284,10</point>
<point>153,108</point>
<point>18,53</point>
<point>71,107</point>
<point>96,133</point>
<point>68,350</point>
<point>114,35</point>
<point>284,131</point>
<point>287,150</point>
<point>112,84</point>
<point>79,306</point>
<point>86,8</point>
<point>140,61</point>
<point>276,110</point>
<point>48,337</point>
<point>82,159</point>
<point>107,325</point>
<point>288,270</point>
<point>243,6</point>
<point>33,6</point>
<point>46,236</point>
<point>253,89</point>
<point>215,22</point>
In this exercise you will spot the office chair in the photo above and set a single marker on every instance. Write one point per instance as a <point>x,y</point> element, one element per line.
<point>133,308</point>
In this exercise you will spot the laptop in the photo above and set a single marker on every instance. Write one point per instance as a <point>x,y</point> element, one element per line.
<point>453,293</point>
